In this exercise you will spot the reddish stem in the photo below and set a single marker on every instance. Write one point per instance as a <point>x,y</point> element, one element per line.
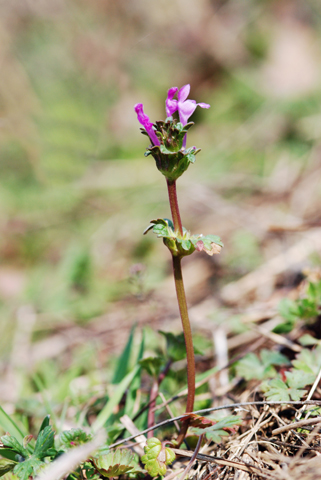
<point>181,298</point>
<point>171,186</point>
<point>180,291</point>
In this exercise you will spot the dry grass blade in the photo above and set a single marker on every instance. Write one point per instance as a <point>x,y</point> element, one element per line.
<point>300,424</point>
<point>219,461</point>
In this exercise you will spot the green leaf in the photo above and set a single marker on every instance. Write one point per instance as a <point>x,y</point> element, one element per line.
<point>220,429</point>
<point>152,365</point>
<point>307,340</point>
<point>288,309</point>
<point>156,457</point>
<point>6,466</point>
<point>299,378</point>
<point>107,411</point>
<point>175,345</point>
<point>74,437</point>
<point>212,239</point>
<point>131,398</point>
<point>186,244</point>
<point>12,442</point>
<point>44,442</point>
<point>10,454</point>
<point>28,468</point>
<point>161,230</point>
<point>278,391</point>
<point>115,463</point>
<point>251,367</point>
<point>308,361</point>
<point>123,361</point>
<point>45,423</point>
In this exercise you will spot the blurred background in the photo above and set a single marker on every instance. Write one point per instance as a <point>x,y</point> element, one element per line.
<point>76,192</point>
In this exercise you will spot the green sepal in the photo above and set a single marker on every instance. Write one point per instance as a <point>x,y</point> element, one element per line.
<point>172,165</point>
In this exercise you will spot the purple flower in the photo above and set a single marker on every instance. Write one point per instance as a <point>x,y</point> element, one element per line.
<point>185,107</point>
<point>147,124</point>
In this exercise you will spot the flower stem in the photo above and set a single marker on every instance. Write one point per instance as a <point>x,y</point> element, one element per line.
<point>188,342</point>
<point>181,298</point>
<point>171,186</point>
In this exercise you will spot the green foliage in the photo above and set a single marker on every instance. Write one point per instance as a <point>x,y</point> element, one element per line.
<point>6,466</point>
<point>308,361</point>
<point>152,365</point>
<point>74,437</point>
<point>31,463</point>
<point>221,428</point>
<point>305,308</point>
<point>123,362</point>
<point>175,345</point>
<point>305,368</point>
<point>186,244</point>
<point>252,367</point>
<point>117,463</point>
<point>156,457</point>
<point>278,391</point>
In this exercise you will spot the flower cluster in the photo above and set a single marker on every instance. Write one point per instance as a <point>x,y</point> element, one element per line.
<point>168,138</point>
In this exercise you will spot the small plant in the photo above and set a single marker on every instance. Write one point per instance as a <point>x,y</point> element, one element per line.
<point>168,148</point>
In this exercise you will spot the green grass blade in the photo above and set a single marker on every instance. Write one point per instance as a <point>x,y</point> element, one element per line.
<point>114,400</point>
<point>135,384</point>
<point>123,361</point>
<point>10,426</point>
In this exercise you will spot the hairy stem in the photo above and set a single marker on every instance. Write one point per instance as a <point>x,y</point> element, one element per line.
<point>188,342</point>
<point>181,298</point>
<point>171,186</point>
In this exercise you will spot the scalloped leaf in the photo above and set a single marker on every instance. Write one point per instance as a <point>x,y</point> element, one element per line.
<point>115,463</point>
<point>156,457</point>
<point>278,391</point>
<point>252,367</point>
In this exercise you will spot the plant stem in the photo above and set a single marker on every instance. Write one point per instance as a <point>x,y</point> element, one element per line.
<point>187,332</point>
<point>171,186</point>
<point>181,298</point>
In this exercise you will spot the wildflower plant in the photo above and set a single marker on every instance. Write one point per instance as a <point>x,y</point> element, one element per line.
<point>168,139</point>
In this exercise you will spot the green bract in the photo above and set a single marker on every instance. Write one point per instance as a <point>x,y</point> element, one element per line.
<point>172,159</point>
<point>156,457</point>
<point>186,244</point>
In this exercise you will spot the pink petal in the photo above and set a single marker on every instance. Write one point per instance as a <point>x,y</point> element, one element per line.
<point>142,118</point>
<point>183,93</point>
<point>203,105</point>
<point>147,124</point>
<point>185,110</point>
<point>171,105</point>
